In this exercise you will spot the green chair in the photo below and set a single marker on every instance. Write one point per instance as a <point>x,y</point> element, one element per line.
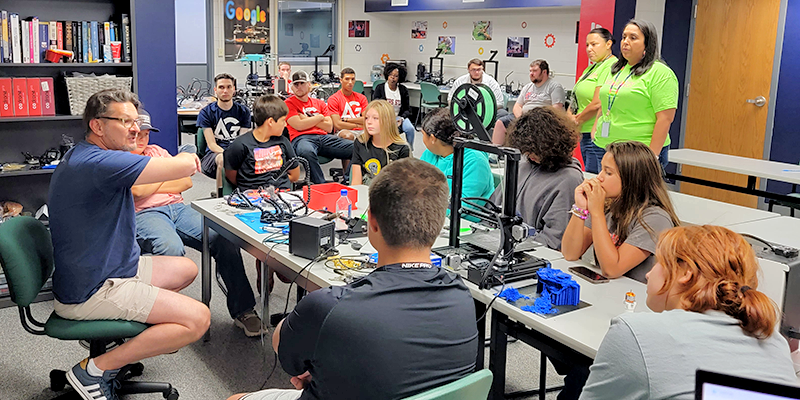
<point>429,99</point>
<point>358,87</point>
<point>200,142</point>
<point>376,84</point>
<point>474,386</point>
<point>26,253</point>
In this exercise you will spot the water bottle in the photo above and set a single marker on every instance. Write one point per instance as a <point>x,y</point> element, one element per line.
<point>344,209</point>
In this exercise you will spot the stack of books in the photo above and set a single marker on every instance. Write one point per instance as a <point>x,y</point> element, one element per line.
<point>27,40</point>
<point>23,97</point>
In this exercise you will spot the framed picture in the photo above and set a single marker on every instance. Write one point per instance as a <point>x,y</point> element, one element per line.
<point>358,29</point>
<point>517,46</point>
<point>419,30</point>
<point>447,44</point>
<point>481,30</point>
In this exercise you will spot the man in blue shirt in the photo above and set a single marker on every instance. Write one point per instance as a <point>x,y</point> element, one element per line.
<point>222,122</point>
<point>99,273</point>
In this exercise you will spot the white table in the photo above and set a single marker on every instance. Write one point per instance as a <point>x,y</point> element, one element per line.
<point>781,230</point>
<point>701,211</point>
<point>753,168</point>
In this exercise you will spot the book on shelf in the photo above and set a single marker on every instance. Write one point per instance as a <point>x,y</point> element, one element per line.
<point>6,98</point>
<point>60,35</point>
<point>87,56</point>
<point>44,42</point>
<point>94,34</point>
<point>47,103</point>
<point>20,98</point>
<point>25,39</point>
<point>126,38</point>
<point>34,97</point>
<point>16,38</point>
<point>4,43</point>
<point>68,36</point>
<point>51,35</point>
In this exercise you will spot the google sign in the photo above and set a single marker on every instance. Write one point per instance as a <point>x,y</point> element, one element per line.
<point>254,16</point>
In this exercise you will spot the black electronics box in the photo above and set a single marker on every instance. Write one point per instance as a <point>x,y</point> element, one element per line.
<point>309,237</point>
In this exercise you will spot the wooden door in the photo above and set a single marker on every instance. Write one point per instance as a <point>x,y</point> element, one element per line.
<point>734,45</point>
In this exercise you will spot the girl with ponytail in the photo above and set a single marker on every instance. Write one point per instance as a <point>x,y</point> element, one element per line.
<point>708,315</point>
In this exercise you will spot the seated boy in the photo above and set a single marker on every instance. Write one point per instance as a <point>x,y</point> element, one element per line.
<point>257,158</point>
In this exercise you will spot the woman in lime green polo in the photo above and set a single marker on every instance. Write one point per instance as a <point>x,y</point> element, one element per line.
<point>639,94</point>
<point>586,90</point>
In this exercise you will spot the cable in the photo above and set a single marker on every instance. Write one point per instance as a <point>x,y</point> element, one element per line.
<point>489,305</point>
<point>758,239</point>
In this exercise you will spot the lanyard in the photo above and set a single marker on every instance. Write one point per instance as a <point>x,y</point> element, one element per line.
<point>610,100</point>
<point>589,72</point>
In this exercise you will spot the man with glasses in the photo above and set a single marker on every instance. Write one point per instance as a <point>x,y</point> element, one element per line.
<point>475,76</point>
<point>309,126</point>
<point>222,122</point>
<point>99,273</point>
<point>164,225</point>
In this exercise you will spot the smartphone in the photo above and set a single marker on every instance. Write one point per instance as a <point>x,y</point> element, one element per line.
<point>588,274</point>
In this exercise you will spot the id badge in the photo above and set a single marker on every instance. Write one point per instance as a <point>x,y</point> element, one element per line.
<point>604,129</point>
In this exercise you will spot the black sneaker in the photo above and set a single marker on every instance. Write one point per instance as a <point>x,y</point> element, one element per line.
<point>93,387</point>
<point>250,323</point>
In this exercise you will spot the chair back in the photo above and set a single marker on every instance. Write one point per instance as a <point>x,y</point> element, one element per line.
<point>430,93</point>
<point>474,386</point>
<point>358,87</point>
<point>375,85</point>
<point>200,142</point>
<point>26,254</point>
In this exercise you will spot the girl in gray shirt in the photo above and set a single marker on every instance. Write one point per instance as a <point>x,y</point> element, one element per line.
<point>708,315</point>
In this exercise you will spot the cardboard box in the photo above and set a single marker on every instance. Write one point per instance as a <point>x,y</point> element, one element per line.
<point>48,102</point>
<point>6,98</point>
<point>34,97</point>
<point>20,87</point>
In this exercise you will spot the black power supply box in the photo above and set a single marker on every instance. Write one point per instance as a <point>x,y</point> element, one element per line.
<point>309,237</point>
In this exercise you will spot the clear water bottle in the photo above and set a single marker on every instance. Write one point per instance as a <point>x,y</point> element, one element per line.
<point>344,208</point>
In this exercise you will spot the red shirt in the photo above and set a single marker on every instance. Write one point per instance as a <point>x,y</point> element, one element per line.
<point>310,107</point>
<point>347,107</point>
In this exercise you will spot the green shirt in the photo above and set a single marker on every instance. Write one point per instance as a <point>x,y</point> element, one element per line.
<point>584,88</point>
<point>477,177</point>
<point>633,113</point>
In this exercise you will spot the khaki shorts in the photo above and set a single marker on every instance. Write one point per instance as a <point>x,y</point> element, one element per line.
<point>129,299</point>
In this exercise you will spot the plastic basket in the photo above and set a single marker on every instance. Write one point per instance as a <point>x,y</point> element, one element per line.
<point>325,195</point>
<point>81,88</point>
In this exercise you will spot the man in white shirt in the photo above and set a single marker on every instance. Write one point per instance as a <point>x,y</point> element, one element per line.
<point>476,76</point>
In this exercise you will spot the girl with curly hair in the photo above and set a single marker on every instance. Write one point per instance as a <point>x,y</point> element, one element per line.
<point>708,314</point>
<point>621,212</point>
<point>548,174</point>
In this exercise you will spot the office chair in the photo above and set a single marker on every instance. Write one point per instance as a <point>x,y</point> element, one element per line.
<point>26,253</point>
<point>474,386</point>
<point>429,99</point>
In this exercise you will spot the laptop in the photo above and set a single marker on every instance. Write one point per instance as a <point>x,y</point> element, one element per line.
<point>715,386</point>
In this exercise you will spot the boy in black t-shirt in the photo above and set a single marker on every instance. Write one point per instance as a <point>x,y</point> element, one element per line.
<point>258,157</point>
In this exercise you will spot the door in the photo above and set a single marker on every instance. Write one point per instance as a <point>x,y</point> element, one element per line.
<point>734,45</point>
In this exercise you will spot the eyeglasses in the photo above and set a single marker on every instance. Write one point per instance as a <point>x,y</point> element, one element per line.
<point>126,122</point>
<point>475,69</point>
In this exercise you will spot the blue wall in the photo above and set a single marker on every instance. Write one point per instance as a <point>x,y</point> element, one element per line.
<point>785,135</point>
<point>674,50</point>
<point>439,5</point>
<point>154,27</point>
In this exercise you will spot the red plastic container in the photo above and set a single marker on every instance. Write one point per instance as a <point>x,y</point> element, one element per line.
<point>324,196</point>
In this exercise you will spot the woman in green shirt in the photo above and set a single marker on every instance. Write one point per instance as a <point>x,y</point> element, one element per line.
<point>586,90</point>
<point>638,94</point>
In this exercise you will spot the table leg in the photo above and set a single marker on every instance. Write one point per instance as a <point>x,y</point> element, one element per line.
<point>265,274</point>
<point>497,357</point>
<point>205,273</point>
<point>480,308</point>
<point>542,376</point>
<point>751,182</point>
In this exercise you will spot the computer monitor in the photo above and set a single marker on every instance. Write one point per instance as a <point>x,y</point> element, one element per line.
<point>715,386</point>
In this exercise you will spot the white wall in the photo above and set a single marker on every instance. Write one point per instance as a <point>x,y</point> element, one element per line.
<point>652,11</point>
<point>390,33</point>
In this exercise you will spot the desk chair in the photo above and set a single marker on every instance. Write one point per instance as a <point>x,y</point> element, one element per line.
<point>376,84</point>
<point>200,142</point>
<point>474,386</point>
<point>358,87</point>
<point>429,99</point>
<point>26,253</point>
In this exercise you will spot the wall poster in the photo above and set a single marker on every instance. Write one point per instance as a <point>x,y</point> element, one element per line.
<point>245,27</point>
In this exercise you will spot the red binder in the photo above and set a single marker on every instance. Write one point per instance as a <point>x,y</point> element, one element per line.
<point>6,98</point>
<point>20,97</point>
<point>34,97</point>
<point>48,103</point>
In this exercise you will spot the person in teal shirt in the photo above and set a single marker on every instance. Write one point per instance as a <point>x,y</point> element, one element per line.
<point>587,93</point>
<point>438,132</point>
<point>638,94</point>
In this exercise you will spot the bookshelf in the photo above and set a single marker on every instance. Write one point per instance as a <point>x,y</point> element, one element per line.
<point>37,134</point>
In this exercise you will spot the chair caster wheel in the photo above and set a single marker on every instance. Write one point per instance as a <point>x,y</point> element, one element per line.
<point>58,380</point>
<point>137,369</point>
<point>173,394</point>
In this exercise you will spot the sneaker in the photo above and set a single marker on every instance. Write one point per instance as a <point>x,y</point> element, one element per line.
<point>250,323</point>
<point>93,387</point>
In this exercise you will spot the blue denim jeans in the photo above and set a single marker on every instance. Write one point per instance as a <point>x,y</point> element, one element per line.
<point>311,147</point>
<point>663,156</point>
<point>408,128</point>
<point>591,153</point>
<point>165,230</point>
